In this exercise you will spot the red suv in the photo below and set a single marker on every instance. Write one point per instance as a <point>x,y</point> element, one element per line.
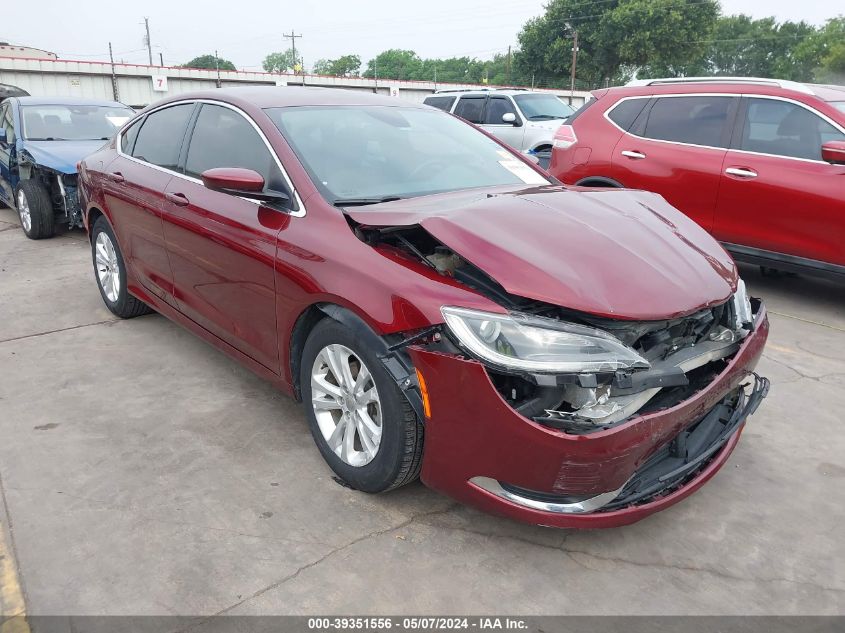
<point>438,304</point>
<point>759,163</point>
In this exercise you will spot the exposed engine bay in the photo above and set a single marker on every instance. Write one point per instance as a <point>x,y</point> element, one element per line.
<point>683,355</point>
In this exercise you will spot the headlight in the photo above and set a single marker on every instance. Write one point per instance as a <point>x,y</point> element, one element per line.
<point>528,343</point>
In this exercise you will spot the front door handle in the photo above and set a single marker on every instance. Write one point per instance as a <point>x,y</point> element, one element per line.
<point>116,176</point>
<point>630,153</point>
<point>179,199</point>
<point>741,172</point>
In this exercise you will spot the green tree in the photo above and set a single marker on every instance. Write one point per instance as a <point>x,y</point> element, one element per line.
<point>281,62</point>
<point>209,62</point>
<point>346,66</point>
<point>395,64</point>
<point>825,51</point>
<point>615,38</point>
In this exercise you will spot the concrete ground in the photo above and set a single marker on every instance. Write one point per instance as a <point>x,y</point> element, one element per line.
<point>143,472</point>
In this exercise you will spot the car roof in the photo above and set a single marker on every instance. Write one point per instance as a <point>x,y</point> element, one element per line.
<point>828,92</point>
<point>512,92</point>
<point>739,85</point>
<point>283,96</point>
<point>67,101</point>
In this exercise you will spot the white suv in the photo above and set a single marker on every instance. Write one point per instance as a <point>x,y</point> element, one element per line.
<point>523,119</point>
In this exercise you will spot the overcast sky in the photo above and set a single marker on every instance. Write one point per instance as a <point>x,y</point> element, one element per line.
<point>244,31</point>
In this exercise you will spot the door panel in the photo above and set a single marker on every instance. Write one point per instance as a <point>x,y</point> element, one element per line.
<point>222,248</point>
<point>792,203</point>
<point>134,195</point>
<point>676,148</point>
<point>7,154</point>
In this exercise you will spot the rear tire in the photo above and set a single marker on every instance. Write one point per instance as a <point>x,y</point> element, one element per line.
<point>398,455</point>
<point>110,273</point>
<point>35,210</point>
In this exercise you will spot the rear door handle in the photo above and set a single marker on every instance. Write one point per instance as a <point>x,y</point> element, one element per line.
<point>179,199</point>
<point>741,172</point>
<point>116,176</point>
<point>629,153</point>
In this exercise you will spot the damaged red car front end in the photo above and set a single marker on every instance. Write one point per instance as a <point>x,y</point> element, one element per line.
<point>587,444</point>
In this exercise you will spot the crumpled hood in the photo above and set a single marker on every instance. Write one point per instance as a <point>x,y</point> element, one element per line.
<point>610,252</point>
<point>61,155</point>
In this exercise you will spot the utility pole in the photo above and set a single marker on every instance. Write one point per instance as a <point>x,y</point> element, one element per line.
<point>161,59</point>
<point>435,78</point>
<point>375,63</point>
<point>113,76</point>
<point>149,44</point>
<point>217,66</point>
<point>509,65</point>
<point>292,37</point>
<point>574,33</point>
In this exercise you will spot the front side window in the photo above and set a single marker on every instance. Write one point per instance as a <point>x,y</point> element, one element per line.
<point>160,137</point>
<point>470,108</point>
<point>497,107</point>
<point>698,120</point>
<point>375,152</point>
<point>72,122</point>
<point>785,129</point>
<point>441,103</point>
<point>540,107</point>
<point>224,138</point>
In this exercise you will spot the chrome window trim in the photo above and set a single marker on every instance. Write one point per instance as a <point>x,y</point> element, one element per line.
<point>299,213</point>
<point>722,94</point>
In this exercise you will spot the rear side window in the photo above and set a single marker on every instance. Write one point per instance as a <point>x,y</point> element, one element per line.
<point>785,129</point>
<point>224,138</point>
<point>127,139</point>
<point>626,112</point>
<point>160,137</point>
<point>470,108</point>
<point>696,120</point>
<point>442,103</point>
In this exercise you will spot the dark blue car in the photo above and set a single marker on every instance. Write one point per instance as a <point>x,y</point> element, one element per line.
<point>41,141</point>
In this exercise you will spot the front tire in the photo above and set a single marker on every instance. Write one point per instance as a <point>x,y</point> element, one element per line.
<point>359,418</point>
<point>110,273</point>
<point>35,210</point>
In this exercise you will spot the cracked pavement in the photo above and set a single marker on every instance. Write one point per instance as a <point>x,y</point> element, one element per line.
<point>145,473</point>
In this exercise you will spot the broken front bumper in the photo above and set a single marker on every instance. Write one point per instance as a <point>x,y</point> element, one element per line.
<point>482,452</point>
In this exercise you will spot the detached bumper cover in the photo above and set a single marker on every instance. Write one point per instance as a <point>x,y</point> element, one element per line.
<point>473,434</point>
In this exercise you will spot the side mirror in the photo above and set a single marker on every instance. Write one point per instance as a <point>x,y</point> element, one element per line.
<point>834,152</point>
<point>240,182</point>
<point>3,138</point>
<point>509,117</point>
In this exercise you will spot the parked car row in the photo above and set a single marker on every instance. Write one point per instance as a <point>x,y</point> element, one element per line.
<point>758,163</point>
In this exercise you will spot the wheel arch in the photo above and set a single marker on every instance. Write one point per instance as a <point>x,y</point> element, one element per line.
<point>599,181</point>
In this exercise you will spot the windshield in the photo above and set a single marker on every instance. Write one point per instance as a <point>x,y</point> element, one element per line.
<point>364,154</point>
<point>542,107</point>
<point>72,122</point>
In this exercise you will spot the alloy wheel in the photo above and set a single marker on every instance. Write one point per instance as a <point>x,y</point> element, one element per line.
<point>346,404</point>
<point>24,212</point>
<point>108,271</point>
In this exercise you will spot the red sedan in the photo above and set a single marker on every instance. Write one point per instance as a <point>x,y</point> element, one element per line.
<point>442,307</point>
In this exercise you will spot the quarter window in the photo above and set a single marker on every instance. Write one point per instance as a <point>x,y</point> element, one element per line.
<point>160,137</point>
<point>7,123</point>
<point>785,129</point>
<point>497,107</point>
<point>224,138</point>
<point>442,103</point>
<point>470,108</point>
<point>695,120</point>
<point>626,112</point>
<point>127,139</point>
